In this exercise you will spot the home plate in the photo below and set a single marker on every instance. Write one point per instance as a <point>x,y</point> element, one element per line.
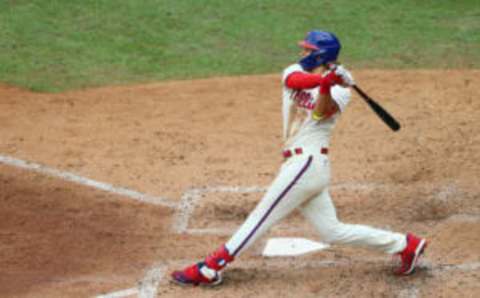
<point>280,247</point>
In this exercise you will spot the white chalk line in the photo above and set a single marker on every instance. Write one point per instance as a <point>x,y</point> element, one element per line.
<point>185,209</point>
<point>148,287</point>
<point>409,292</point>
<point>71,177</point>
<point>120,294</point>
<point>190,198</point>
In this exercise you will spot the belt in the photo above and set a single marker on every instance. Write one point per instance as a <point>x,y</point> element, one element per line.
<point>297,151</point>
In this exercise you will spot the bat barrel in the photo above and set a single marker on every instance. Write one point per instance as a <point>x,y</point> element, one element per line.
<point>379,110</point>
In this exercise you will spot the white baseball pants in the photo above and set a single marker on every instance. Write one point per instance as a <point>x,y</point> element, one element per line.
<point>303,183</point>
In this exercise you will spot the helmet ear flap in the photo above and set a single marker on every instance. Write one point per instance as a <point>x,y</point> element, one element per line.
<point>309,62</point>
<point>313,60</point>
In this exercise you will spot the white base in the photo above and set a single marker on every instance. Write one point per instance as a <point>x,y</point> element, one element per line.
<point>284,247</point>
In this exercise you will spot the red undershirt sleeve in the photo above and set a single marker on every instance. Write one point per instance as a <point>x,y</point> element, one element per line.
<point>301,80</point>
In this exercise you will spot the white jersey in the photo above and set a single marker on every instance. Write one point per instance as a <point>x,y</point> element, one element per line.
<point>299,129</point>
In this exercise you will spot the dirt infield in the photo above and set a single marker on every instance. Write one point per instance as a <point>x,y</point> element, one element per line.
<point>202,152</point>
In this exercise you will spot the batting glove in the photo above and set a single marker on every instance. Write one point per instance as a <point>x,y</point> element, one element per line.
<point>345,75</point>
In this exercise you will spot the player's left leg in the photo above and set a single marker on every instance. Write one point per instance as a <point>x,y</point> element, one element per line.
<point>321,212</point>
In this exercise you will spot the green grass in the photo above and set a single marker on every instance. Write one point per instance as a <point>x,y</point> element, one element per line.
<point>53,45</point>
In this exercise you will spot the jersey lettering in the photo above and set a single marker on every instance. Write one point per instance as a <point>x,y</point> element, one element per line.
<point>304,100</point>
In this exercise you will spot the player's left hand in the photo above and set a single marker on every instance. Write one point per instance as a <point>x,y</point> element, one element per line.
<point>345,75</point>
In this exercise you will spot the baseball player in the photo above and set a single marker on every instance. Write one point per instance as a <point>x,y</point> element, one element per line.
<point>315,93</point>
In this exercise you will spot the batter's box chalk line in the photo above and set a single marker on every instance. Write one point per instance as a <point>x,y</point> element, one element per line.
<point>132,292</point>
<point>146,288</point>
<point>189,200</point>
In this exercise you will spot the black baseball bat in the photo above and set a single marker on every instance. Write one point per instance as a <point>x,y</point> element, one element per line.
<point>379,110</point>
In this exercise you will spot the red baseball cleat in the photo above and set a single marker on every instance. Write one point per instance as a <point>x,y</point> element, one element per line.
<point>409,256</point>
<point>207,273</point>
<point>197,274</point>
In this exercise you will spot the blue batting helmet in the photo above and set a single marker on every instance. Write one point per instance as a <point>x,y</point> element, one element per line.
<point>325,48</point>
